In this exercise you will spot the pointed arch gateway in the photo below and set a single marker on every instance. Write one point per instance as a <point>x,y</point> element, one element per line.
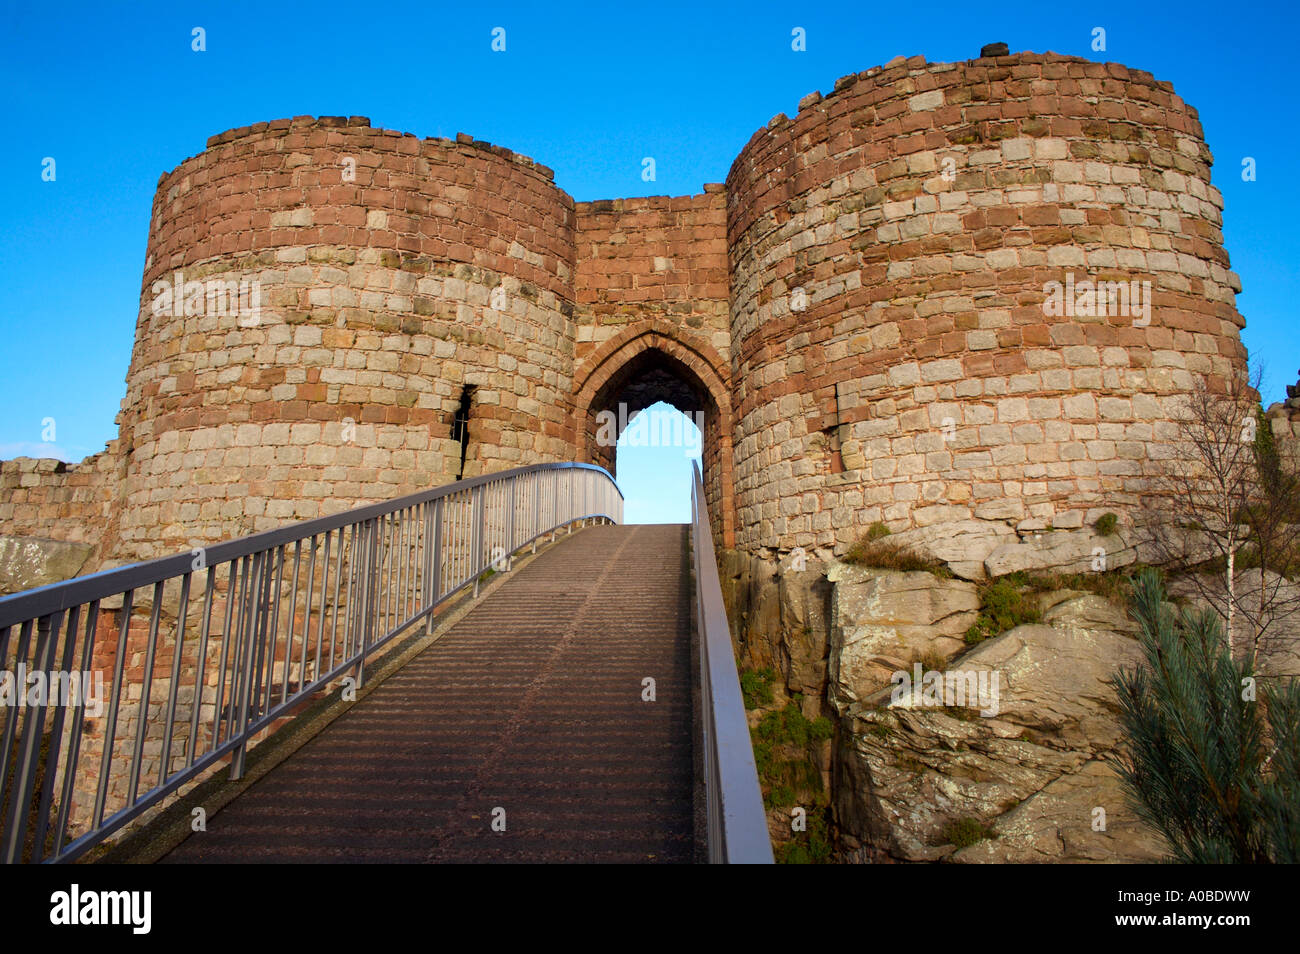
<point>651,362</point>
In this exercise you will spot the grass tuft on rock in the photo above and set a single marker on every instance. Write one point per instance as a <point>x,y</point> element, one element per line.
<point>883,555</point>
<point>1004,605</point>
<point>756,687</point>
<point>964,832</point>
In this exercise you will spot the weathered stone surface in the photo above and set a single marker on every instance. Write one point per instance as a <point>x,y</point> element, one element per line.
<point>27,562</point>
<point>962,544</point>
<point>883,619</point>
<point>1284,420</point>
<point>1072,551</point>
<point>780,620</point>
<point>1277,623</point>
<point>1034,772</point>
<point>1056,824</point>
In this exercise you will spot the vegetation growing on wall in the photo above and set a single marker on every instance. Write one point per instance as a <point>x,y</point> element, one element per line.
<point>874,550</point>
<point>787,750</point>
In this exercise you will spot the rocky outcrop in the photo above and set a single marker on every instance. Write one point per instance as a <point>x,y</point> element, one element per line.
<point>1029,768</point>
<point>963,545</point>
<point>1075,551</point>
<point>1284,419</point>
<point>1276,622</point>
<point>881,621</point>
<point>27,562</point>
<point>1035,773</point>
<point>779,613</point>
<point>985,549</point>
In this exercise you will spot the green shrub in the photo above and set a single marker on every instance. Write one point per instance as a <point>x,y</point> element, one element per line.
<point>811,847</point>
<point>786,748</point>
<point>964,832</point>
<point>1106,524</point>
<point>1205,763</point>
<point>756,687</point>
<point>1004,605</point>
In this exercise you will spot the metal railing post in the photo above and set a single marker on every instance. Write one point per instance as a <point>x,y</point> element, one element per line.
<point>510,529</point>
<point>477,518</point>
<point>369,605</point>
<point>249,634</point>
<point>432,559</point>
<point>29,751</point>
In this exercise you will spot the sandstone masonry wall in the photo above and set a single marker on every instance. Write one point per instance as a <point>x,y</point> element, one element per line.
<point>75,503</point>
<point>395,273</point>
<point>652,258</point>
<point>924,383</point>
<point>652,278</point>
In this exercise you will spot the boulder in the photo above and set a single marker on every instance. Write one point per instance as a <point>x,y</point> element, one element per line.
<point>29,562</point>
<point>883,619</point>
<point>1061,822</point>
<point>1034,773</point>
<point>962,544</point>
<point>1069,551</point>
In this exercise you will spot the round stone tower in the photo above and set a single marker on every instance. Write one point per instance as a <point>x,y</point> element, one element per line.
<point>965,297</point>
<point>333,314</point>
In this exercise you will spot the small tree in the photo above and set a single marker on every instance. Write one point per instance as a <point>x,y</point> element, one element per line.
<point>1225,503</point>
<point>1203,763</point>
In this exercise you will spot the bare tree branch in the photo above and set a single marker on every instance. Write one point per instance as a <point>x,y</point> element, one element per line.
<point>1226,513</point>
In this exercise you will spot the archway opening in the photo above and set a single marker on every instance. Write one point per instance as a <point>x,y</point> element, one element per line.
<point>653,463</point>
<point>650,409</point>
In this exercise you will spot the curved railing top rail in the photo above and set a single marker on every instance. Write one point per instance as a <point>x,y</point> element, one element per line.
<point>737,821</point>
<point>80,590</point>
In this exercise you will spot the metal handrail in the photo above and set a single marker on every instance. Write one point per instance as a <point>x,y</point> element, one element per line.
<point>307,603</point>
<point>737,823</point>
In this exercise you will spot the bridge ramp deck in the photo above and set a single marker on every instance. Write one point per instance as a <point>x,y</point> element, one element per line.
<point>531,703</point>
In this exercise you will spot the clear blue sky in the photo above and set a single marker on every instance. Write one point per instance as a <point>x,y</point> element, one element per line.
<point>114,93</point>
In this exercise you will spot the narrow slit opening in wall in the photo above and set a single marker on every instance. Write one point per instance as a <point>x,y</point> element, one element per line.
<point>832,434</point>
<point>460,426</point>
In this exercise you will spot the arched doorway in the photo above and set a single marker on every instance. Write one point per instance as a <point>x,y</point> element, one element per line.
<point>641,367</point>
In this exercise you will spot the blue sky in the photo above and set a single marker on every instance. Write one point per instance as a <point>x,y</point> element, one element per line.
<point>653,466</point>
<point>114,93</point>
